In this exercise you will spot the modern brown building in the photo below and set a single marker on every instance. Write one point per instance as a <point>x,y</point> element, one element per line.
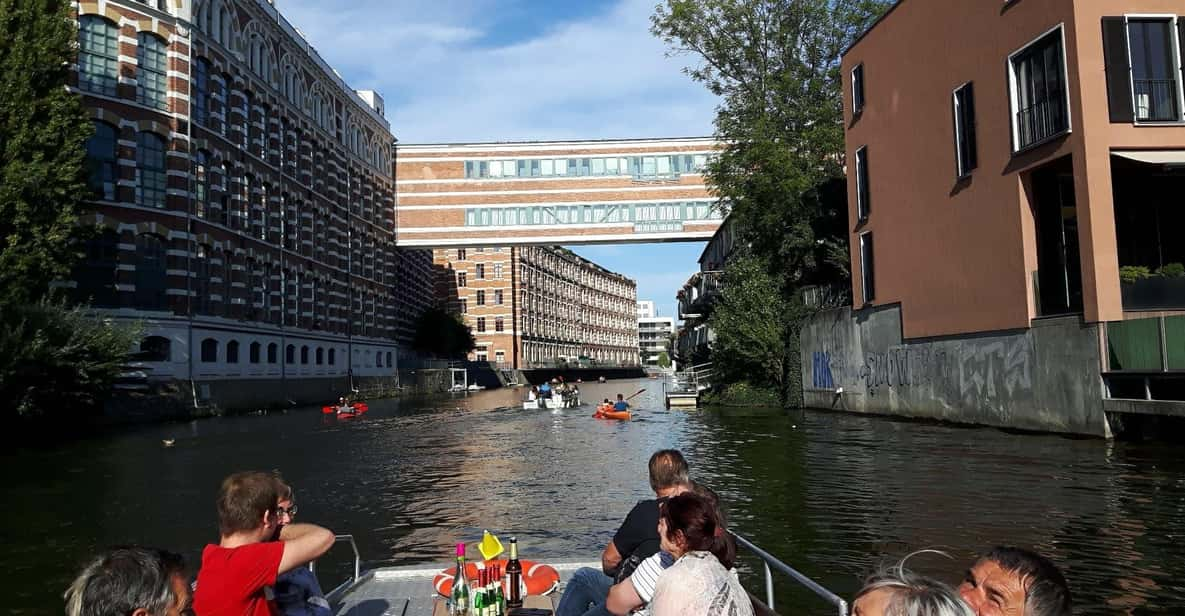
<point>540,306</point>
<point>1007,161</point>
<point>554,192</point>
<point>246,197</point>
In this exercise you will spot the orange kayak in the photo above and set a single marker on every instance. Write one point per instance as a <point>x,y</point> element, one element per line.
<point>604,412</point>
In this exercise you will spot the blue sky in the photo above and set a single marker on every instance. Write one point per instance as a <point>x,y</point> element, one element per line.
<point>511,70</point>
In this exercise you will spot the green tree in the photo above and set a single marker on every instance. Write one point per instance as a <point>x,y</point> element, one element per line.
<point>775,64</point>
<point>750,324</point>
<point>664,360</point>
<point>443,334</point>
<point>57,361</point>
<point>43,130</point>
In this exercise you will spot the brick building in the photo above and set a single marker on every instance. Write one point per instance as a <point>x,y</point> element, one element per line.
<point>246,198</point>
<point>536,306</point>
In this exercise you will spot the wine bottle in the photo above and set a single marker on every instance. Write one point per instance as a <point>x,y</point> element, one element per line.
<point>514,577</point>
<point>479,596</point>
<point>498,593</point>
<point>459,597</point>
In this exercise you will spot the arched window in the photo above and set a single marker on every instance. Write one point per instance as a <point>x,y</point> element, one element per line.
<point>96,273</point>
<point>232,352</point>
<point>248,104</point>
<point>378,359</point>
<point>151,69</point>
<point>98,55</point>
<point>389,364</point>
<point>201,280</point>
<point>209,350</point>
<point>290,354</point>
<point>101,160</point>
<point>150,166</point>
<point>304,355</point>
<point>332,356</point>
<point>226,28</point>
<point>320,355</point>
<point>272,353</point>
<point>201,91</point>
<point>151,272</point>
<point>201,188</point>
<point>154,348</point>
<point>254,352</point>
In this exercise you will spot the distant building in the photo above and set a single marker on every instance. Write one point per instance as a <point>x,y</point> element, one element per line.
<point>654,335</point>
<point>245,199</point>
<point>540,306</point>
<point>699,295</point>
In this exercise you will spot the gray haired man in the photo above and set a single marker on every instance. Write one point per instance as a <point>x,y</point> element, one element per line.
<point>130,581</point>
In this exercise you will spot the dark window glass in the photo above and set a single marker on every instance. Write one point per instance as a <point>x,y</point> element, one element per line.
<point>867,269</point>
<point>232,352</point>
<point>209,350</point>
<point>863,194</point>
<point>272,352</point>
<point>1154,69</point>
<point>151,68</point>
<point>964,110</point>
<point>858,89</point>
<point>254,352</point>
<point>290,354</point>
<point>98,55</point>
<point>101,155</point>
<point>201,91</point>
<point>150,163</point>
<point>151,278</point>
<point>1040,109</point>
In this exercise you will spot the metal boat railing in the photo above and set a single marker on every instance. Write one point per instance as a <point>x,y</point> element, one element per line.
<point>357,564</point>
<point>769,562</point>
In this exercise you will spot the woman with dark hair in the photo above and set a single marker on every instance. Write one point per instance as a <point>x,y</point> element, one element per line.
<point>692,531</point>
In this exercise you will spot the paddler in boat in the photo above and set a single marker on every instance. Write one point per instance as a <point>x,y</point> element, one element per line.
<point>343,405</point>
<point>621,405</point>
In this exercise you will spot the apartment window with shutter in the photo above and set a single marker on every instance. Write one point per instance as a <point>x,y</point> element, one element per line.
<point>867,269</point>
<point>1040,104</point>
<point>857,90</point>
<point>1143,64</point>
<point>862,192</point>
<point>964,114</point>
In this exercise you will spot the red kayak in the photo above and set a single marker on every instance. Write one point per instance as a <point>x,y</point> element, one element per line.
<point>354,409</point>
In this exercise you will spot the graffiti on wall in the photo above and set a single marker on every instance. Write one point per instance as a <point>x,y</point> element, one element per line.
<point>821,377</point>
<point>903,366</point>
<point>985,370</point>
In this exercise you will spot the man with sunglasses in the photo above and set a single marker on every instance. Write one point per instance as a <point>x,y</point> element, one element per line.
<point>238,574</point>
<point>297,592</point>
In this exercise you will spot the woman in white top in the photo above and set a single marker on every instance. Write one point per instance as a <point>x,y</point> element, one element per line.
<point>691,530</point>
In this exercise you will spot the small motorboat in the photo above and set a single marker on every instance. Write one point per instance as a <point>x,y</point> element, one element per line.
<point>352,410</point>
<point>530,405</point>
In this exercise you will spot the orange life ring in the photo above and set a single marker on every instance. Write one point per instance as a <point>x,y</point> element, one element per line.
<point>540,579</point>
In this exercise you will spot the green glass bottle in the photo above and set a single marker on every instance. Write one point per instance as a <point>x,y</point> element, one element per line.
<point>458,604</point>
<point>479,596</point>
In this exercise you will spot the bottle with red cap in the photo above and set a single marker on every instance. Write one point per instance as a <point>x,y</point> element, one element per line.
<point>458,603</point>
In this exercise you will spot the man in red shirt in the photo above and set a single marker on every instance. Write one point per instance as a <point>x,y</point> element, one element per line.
<point>237,575</point>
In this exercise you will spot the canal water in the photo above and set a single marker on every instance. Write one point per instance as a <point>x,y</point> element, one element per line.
<point>832,494</point>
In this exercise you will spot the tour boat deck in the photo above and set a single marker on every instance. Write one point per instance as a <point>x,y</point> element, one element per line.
<point>407,591</point>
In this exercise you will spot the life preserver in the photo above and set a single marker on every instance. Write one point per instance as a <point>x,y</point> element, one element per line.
<point>539,579</point>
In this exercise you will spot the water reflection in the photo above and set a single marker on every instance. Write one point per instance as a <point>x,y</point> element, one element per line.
<point>828,493</point>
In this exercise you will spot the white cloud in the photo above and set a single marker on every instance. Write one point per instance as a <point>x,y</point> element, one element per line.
<point>599,76</point>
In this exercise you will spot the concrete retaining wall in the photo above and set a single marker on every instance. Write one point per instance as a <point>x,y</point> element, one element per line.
<point>1044,378</point>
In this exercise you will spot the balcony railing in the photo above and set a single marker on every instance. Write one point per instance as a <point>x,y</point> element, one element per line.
<point>1156,100</point>
<point>1041,120</point>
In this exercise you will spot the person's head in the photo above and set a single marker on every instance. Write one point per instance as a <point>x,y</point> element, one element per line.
<point>247,503</point>
<point>688,522</point>
<point>895,591</point>
<point>667,469</point>
<point>619,397</point>
<point>1010,581</point>
<point>285,502</point>
<point>130,581</point>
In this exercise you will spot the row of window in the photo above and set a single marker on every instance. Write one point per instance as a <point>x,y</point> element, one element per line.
<point>637,166</point>
<point>320,356</point>
<point>590,214</point>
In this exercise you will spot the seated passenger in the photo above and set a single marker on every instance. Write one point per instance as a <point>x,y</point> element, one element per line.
<point>130,581</point>
<point>1009,580</point>
<point>298,593</point>
<point>699,582</point>
<point>533,394</point>
<point>621,405</point>
<point>898,592</point>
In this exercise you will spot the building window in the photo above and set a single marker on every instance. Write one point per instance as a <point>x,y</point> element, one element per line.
<point>101,155</point>
<point>332,356</point>
<point>155,348</point>
<point>1040,107</point>
<point>460,279</point>
<point>201,91</point>
<point>150,162</point>
<point>151,272</point>
<point>481,324</point>
<point>464,305</point>
<point>857,90</point>
<point>232,352</point>
<point>253,352</point>
<point>481,271</point>
<point>461,254</point>
<point>304,355</point>
<point>272,352</point>
<point>867,269</point>
<point>498,297</point>
<point>290,354</point>
<point>1154,69</point>
<point>498,271</point>
<point>320,357</point>
<point>964,114</point>
<point>498,324</point>
<point>151,68</point>
<point>201,186</point>
<point>863,195</point>
<point>209,351</point>
<point>481,298</point>
<point>98,55</point>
